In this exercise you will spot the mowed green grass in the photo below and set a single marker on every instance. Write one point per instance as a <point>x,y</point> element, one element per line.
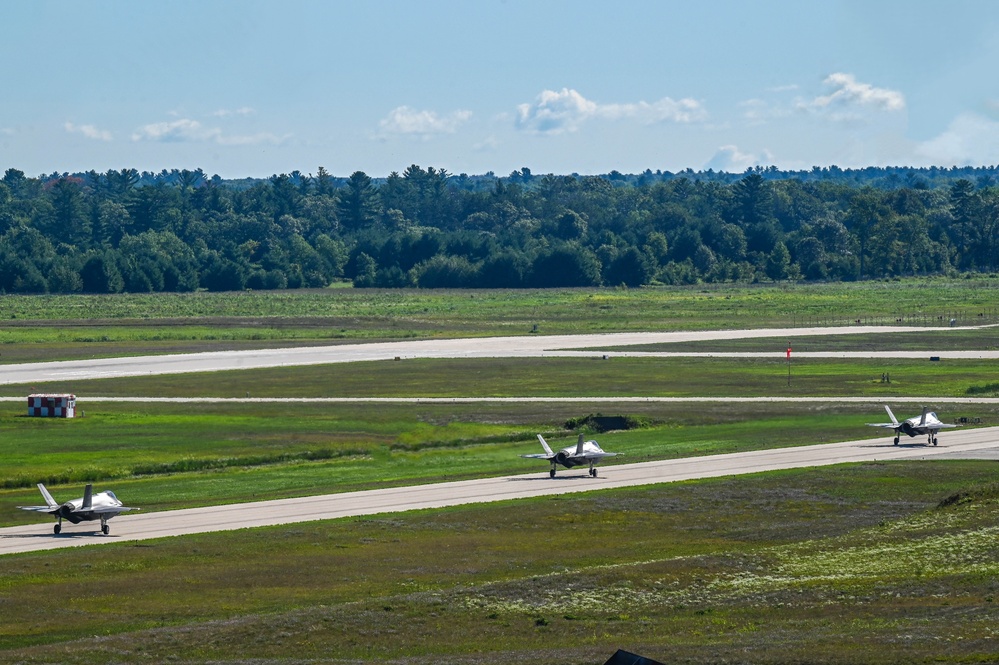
<point>874,563</point>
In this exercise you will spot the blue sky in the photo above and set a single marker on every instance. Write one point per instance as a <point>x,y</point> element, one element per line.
<point>250,88</point>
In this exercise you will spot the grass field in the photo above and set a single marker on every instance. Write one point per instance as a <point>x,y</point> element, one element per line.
<point>882,563</point>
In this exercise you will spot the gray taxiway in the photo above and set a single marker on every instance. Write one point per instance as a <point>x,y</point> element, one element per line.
<point>970,443</point>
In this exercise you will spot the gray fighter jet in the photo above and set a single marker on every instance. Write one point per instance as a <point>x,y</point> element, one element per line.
<point>101,506</point>
<point>927,424</point>
<point>584,452</point>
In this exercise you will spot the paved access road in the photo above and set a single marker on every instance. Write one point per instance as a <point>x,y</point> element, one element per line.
<point>143,526</point>
<point>485,347</point>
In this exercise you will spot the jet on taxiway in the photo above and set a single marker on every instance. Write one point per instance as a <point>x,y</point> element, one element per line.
<point>101,506</point>
<point>584,452</point>
<point>927,424</point>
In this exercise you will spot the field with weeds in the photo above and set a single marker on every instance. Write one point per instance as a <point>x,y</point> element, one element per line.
<point>875,563</point>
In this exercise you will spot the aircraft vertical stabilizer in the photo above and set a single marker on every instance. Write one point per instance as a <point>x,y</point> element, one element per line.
<point>88,497</point>
<point>48,497</point>
<point>544,444</point>
<point>894,421</point>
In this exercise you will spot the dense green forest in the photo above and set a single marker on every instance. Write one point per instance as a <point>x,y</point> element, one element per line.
<point>183,230</point>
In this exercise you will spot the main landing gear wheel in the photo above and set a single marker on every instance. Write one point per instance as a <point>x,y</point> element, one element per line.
<point>551,474</point>
<point>105,529</point>
<point>593,472</point>
<point>57,528</point>
<point>934,441</point>
<point>896,440</point>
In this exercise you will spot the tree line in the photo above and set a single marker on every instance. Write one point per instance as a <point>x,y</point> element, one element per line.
<point>182,230</point>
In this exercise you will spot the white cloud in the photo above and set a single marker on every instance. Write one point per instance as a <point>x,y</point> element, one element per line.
<point>225,113</point>
<point>186,130</point>
<point>970,139</point>
<point>89,131</point>
<point>730,159</point>
<point>556,112</point>
<point>665,110</point>
<point>848,93</point>
<point>405,120</point>
<point>183,130</point>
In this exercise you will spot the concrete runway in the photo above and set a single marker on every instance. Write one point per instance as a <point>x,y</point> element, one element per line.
<point>131,527</point>
<point>487,347</point>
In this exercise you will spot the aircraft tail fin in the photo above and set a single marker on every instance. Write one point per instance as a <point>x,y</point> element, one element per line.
<point>579,445</point>
<point>88,497</point>
<point>922,418</point>
<point>891,415</point>
<point>48,497</point>
<point>544,444</point>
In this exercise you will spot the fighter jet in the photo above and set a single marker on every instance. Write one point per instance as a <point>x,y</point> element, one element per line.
<point>101,506</point>
<point>927,424</point>
<point>584,452</point>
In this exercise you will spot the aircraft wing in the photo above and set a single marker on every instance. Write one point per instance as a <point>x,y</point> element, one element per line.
<point>589,456</point>
<point>942,425</point>
<point>105,509</point>
<point>40,509</point>
<point>538,456</point>
<point>885,425</point>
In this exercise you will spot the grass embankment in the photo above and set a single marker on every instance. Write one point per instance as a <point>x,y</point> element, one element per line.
<point>81,326</point>
<point>874,563</point>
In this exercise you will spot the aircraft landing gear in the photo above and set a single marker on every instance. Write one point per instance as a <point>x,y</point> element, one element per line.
<point>551,474</point>
<point>896,440</point>
<point>934,441</point>
<point>57,528</point>
<point>105,529</point>
<point>593,472</point>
